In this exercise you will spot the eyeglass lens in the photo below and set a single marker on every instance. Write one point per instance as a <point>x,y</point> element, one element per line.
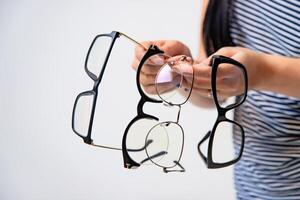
<point>171,135</point>
<point>230,79</point>
<point>173,84</point>
<point>223,148</point>
<point>82,113</point>
<point>98,54</point>
<point>137,139</point>
<point>168,82</point>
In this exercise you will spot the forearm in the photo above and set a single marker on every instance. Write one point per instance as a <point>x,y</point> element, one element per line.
<point>280,74</point>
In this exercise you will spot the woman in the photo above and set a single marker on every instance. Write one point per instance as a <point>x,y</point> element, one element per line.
<point>263,35</point>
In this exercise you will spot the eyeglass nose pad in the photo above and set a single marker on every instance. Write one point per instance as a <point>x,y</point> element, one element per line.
<point>200,143</point>
<point>181,168</point>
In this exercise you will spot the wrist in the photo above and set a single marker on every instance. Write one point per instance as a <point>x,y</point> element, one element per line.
<point>265,73</point>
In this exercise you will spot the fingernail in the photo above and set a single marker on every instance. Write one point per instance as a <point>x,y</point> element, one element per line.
<point>189,59</point>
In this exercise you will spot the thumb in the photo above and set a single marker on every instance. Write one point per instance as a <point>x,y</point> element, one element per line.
<point>224,51</point>
<point>227,51</point>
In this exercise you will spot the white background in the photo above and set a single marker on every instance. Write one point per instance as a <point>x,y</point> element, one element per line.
<point>42,50</point>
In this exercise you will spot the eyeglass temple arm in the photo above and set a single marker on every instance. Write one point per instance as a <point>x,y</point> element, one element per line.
<point>199,144</point>
<point>142,148</point>
<point>133,40</point>
<point>161,153</point>
<point>130,150</point>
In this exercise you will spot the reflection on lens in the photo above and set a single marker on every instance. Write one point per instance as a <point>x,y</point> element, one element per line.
<point>168,148</point>
<point>153,65</point>
<point>136,143</point>
<point>172,83</point>
<point>82,113</point>
<point>230,79</point>
<point>223,149</point>
<point>168,82</point>
<point>98,54</point>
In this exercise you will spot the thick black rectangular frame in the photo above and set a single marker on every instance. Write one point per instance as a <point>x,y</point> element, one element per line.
<point>216,60</point>
<point>97,80</point>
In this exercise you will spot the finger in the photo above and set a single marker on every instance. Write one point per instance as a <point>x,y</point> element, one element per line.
<point>202,93</point>
<point>199,83</point>
<point>202,76</point>
<point>221,96</point>
<point>165,87</point>
<point>200,90</point>
<point>203,89</point>
<point>230,78</point>
<point>160,89</point>
<point>150,69</point>
<point>150,66</point>
<point>229,84</point>
<point>140,50</point>
<point>174,47</point>
<point>202,70</point>
<point>158,60</point>
<point>180,58</point>
<point>147,79</point>
<point>146,68</point>
<point>226,51</point>
<point>186,87</point>
<point>139,53</point>
<point>227,70</point>
<point>181,65</point>
<point>150,89</point>
<point>135,63</point>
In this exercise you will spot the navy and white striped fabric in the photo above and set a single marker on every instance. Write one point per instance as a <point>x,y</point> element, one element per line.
<point>270,166</point>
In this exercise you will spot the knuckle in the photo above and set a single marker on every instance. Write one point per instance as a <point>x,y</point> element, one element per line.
<point>150,89</point>
<point>146,79</point>
<point>146,69</point>
<point>201,81</point>
<point>143,79</point>
<point>225,50</point>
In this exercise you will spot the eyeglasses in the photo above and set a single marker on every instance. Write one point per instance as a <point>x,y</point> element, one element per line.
<point>85,103</point>
<point>234,74</point>
<point>145,136</point>
<point>148,139</point>
<point>163,141</point>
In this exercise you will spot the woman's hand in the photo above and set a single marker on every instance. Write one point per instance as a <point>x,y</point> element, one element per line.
<point>229,79</point>
<point>151,67</point>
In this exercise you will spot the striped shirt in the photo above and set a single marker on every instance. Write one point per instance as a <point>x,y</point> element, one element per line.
<point>270,165</point>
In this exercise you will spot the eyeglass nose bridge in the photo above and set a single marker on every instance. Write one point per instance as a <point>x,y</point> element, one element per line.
<point>178,112</point>
<point>222,116</point>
